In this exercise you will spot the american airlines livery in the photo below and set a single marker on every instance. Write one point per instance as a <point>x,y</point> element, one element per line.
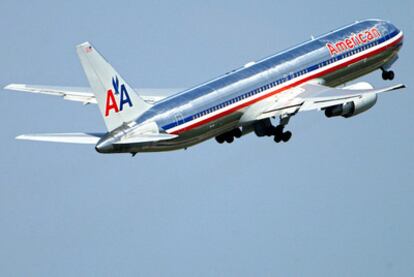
<point>242,101</point>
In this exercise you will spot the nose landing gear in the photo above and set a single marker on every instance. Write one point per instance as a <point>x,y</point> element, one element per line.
<point>387,74</point>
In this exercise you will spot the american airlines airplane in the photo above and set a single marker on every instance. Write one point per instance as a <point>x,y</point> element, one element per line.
<point>245,100</point>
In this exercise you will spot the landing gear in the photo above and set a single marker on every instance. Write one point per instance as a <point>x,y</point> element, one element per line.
<point>286,136</point>
<point>387,75</point>
<point>237,133</point>
<point>229,136</point>
<point>220,139</point>
<point>280,135</point>
<point>229,139</point>
<point>265,128</point>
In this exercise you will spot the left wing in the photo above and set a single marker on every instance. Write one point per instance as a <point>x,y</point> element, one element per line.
<point>317,97</point>
<point>85,95</point>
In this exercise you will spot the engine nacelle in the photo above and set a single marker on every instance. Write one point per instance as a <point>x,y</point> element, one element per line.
<point>352,108</point>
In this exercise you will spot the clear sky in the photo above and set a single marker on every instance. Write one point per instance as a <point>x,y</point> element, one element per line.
<point>337,200</point>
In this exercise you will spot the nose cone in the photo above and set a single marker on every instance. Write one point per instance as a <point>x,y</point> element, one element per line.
<point>105,146</point>
<point>391,28</point>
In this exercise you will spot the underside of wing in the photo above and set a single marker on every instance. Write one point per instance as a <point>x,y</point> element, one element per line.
<point>85,95</point>
<point>317,97</point>
<point>79,138</point>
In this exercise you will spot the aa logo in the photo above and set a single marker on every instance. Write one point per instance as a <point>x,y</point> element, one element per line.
<point>118,92</point>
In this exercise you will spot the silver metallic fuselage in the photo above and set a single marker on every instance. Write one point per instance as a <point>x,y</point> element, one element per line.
<point>215,107</point>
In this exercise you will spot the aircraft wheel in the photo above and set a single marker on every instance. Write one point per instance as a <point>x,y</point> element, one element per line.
<point>220,139</point>
<point>278,133</point>
<point>388,75</point>
<point>286,136</point>
<point>229,139</point>
<point>391,75</point>
<point>278,130</point>
<point>277,139</point>
<point>237,133</point>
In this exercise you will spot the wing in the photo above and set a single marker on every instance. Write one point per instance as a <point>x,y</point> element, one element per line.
<point>85,95</point>
<point>316,97</point>
<point>79,138</point>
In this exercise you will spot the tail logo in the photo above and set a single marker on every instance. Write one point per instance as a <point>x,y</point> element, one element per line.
<point>121,93</point>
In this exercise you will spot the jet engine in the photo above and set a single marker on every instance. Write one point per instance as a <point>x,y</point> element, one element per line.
<point>352,108</point>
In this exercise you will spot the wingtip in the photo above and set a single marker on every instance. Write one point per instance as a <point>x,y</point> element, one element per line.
<point>21,137</point>
<point>399,86</point>
<point>13,86</point>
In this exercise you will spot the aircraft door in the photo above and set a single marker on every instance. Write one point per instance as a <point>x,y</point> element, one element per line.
<point>179,119</point>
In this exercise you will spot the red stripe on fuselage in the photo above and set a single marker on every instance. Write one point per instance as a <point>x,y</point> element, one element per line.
<point>316,75</point>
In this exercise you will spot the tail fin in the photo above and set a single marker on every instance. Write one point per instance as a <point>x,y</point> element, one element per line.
<point>117,101</point>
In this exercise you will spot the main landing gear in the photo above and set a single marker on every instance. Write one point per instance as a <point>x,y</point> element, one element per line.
<point>229,136</point>
<point>265,128</point>
<point>280,135</point>
<point>387,74</point>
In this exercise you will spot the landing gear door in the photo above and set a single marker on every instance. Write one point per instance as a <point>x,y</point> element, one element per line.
<point>179,119</point>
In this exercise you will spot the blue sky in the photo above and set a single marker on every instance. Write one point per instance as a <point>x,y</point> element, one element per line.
<point>337,200</point>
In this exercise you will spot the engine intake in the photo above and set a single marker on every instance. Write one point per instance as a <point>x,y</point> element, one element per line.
<point>352,108</point>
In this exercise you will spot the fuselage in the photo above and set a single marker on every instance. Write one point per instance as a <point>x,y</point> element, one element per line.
<point>214,107</point>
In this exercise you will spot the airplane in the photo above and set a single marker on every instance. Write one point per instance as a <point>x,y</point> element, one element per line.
<point>246,100</point>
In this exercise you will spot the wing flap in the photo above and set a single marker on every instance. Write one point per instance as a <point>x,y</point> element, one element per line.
<point>79,138</point>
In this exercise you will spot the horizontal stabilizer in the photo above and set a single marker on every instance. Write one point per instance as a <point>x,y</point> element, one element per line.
<point>80,94</point>
<point>85,95</point>
<point>80,138</point>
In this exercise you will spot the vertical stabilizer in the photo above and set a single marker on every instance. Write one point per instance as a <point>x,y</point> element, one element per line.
<point>117,101</point>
